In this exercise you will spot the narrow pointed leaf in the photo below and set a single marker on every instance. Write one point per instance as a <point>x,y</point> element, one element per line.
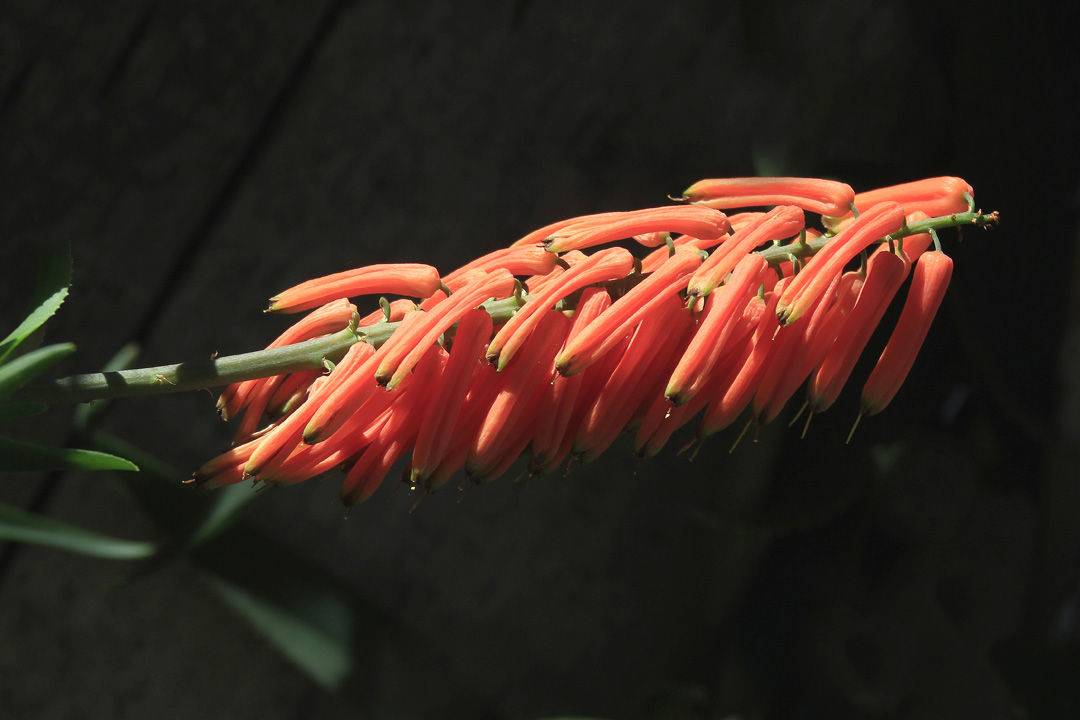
<point>231,504</point>
<point>18,525</point>
<point>323,656</point>
<point>18,456</point>
<point>23,369</point>
<point>54,277</point>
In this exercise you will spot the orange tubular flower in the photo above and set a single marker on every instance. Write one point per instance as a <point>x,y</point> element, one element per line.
<point>779,223</point>
<point>525,260</point>
<point>554,417</point>
<point>403,350</point>
<point>445,403</point>
<point>933,196</point>
<point>872,225</point>
<point>730,399</point>
<point>825,197</point>
<point>722,312</point>
<point>787,368</point>
<point>539,235</point>
<point>586,347</point>
<point>610,264</point>
<point>928,285</point>
<point>884,274</point>
<point>700,222</point>
<point>411,279</point>
<point>616,322</point>
<point>509,411</point>
<point>616,403</point>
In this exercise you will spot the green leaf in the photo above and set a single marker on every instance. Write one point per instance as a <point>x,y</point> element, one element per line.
<point>25,368</point>
<point>312,617</point>
<point>21,409</point>
<point>19,525</point>
<point>324,656</point>
<point>54,279</point>
<point>18,456</point>
<point>232,503</point>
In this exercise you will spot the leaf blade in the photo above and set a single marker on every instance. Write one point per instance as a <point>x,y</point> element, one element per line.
<point>23,369</point>
<point>54,279</point>
<point>16,456</point>
<point>22,526</point>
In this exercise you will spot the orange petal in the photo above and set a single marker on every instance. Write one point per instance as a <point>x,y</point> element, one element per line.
<point>885,273</point>
<point>710,340</point>
<point>615,323</point>
<point>404,349</point>
<point>411,279</point>
<point>825,197</point>
<point>779,223</point>
<point>928,285</point>
<point>872,225</point>
<point>609,264</point>
<point>509,411</point>
<point>444,407</point>
<point>687,219</point>
<point>935,196</point>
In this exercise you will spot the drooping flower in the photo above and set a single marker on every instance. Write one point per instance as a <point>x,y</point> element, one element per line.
<point>724,312</point>
<point>933,270</point>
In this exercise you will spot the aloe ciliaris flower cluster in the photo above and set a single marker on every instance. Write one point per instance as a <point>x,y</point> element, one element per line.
<point>554,346</point>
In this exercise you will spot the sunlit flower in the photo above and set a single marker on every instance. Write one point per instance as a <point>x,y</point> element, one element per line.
<point>551,349</point>
<point>928,285</point>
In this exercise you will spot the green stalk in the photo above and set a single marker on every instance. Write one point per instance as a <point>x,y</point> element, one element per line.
<point>309,355</point>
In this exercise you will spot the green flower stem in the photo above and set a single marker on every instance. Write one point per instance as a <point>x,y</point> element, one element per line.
<point>309,355</point>
<point>191,375</point>
<point>806,248</point>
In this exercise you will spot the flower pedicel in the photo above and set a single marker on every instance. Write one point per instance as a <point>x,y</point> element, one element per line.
<point>551,348</point>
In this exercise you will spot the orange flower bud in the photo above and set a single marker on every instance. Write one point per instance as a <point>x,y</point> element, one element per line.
<point>935,196</point>
<point>885,273</point>
<point>397,435</point>
<point>503,431</point>
<point>404,349</point>
<point>524,260</point>
<point>928,285</point>
<point>731,398</point>
<point>872,225</point>
<point>444,406</point>
<point>693,220</point>
<point>785,371</point>
<point>609,264</point>
<point>617,401</point>
<point>722,310</point>
<point>781,222</point>
<point>411,279</point>
<point>554,419</point>
<point>538,236</point>
<point>825,197</point>
<point>615,323</point>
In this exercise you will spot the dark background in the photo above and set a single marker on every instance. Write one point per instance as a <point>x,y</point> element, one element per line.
<point>202,156</point>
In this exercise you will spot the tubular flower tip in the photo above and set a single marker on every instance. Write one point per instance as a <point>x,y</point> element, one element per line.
<point>929,282</point>
<point>550,347</point>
